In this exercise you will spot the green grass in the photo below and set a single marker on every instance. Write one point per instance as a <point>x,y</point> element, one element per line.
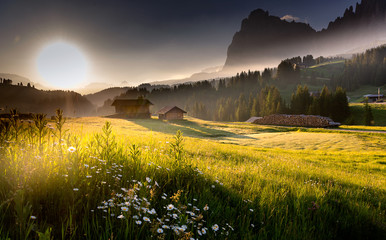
<point>325,70</point>
<point>357,114</point>
<point>259,182</point>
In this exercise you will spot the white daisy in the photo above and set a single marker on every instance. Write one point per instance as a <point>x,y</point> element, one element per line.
<point>71,149</point>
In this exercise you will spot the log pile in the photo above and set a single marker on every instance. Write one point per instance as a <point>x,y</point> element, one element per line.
<point>297,120</point>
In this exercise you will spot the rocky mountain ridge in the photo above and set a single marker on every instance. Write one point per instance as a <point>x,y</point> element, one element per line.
<point>264,38</point>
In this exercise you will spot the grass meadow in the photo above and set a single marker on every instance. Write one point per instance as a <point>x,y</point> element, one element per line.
<point>101,178</point>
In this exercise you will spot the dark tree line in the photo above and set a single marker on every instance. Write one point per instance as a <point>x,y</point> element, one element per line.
<point>328,104</point>
<point>8,82</point>
<point>367,68</point>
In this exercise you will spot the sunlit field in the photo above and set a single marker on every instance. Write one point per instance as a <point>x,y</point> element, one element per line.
<point>101,178</point>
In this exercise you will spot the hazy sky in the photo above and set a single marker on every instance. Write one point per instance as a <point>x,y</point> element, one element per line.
<point>139,41</point>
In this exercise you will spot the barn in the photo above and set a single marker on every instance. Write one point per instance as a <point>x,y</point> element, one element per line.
<point>171,113</point>
<point>132,108</point>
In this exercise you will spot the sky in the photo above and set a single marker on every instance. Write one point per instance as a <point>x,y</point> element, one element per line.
<point>139,41</point>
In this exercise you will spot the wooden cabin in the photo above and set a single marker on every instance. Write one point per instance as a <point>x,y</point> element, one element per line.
<point>132,108</point>
<point>171,113</point>
<point>371,98</point>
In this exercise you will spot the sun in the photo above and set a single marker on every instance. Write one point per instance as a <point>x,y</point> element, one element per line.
<point>62,65</point>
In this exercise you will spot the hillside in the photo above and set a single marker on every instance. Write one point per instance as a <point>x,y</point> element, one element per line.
<point>31,100</point>
<point>325,70</point>
<point>19,79</point>
<point>100,97</point>
<point>264,38</point>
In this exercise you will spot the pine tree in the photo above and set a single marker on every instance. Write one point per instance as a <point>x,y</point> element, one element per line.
<point>324,102</point>
<point>339,105</point>
<point>369,119</point>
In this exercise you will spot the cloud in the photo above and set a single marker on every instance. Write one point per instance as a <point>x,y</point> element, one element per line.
<point>290,18</point>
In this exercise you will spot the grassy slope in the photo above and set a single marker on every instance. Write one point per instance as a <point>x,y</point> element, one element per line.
<point>326,71</point>
<point>267,182</point>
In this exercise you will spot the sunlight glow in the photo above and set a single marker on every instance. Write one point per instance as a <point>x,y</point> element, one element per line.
<point>62,65</point>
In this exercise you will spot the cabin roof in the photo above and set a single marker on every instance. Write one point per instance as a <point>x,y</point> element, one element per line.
<point>373,96</point>
<point>131,102</point>
<point>167,109</point>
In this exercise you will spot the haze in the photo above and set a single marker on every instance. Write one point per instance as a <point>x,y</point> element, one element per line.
<point>139,41</point>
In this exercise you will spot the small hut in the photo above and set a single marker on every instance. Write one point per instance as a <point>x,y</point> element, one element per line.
<point>132,108</point>
<point>374,97</point>
<point>171,113</point>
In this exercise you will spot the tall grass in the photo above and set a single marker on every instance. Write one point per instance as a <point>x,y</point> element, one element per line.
<point>86,184</point>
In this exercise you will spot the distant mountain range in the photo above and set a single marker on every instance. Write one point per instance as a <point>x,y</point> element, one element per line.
<point>264,38</point>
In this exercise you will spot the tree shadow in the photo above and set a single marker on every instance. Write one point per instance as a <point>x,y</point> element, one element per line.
<point>188,128</point>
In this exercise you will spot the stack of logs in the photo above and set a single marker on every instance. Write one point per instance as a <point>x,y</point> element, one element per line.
<point>297,120</point>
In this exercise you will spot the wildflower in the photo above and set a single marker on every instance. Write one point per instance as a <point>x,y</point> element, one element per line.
<point>148,179</point>
<point>215,227</point>
<point>88,176</point>
<point>125,209</point>
<point>86,165</point>
<point>32,217</point>
<point>135,217</point>
<point>120,216</point>
<point>138,222</point>
<point>159,230</point>
<point>165,227</point>
<point>206,208</point>
<point>213,186</point>
<point>71,149</point>
<point>170,207</point>
<point>146,219</point>
<point>75,189</point>
<point>175,216</point>
<point>152,211</point>
<point>251,210</point>
<point>252,225</point>
<point>203,231</point>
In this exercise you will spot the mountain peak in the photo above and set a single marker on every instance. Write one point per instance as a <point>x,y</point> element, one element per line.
<point>265,39</point>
